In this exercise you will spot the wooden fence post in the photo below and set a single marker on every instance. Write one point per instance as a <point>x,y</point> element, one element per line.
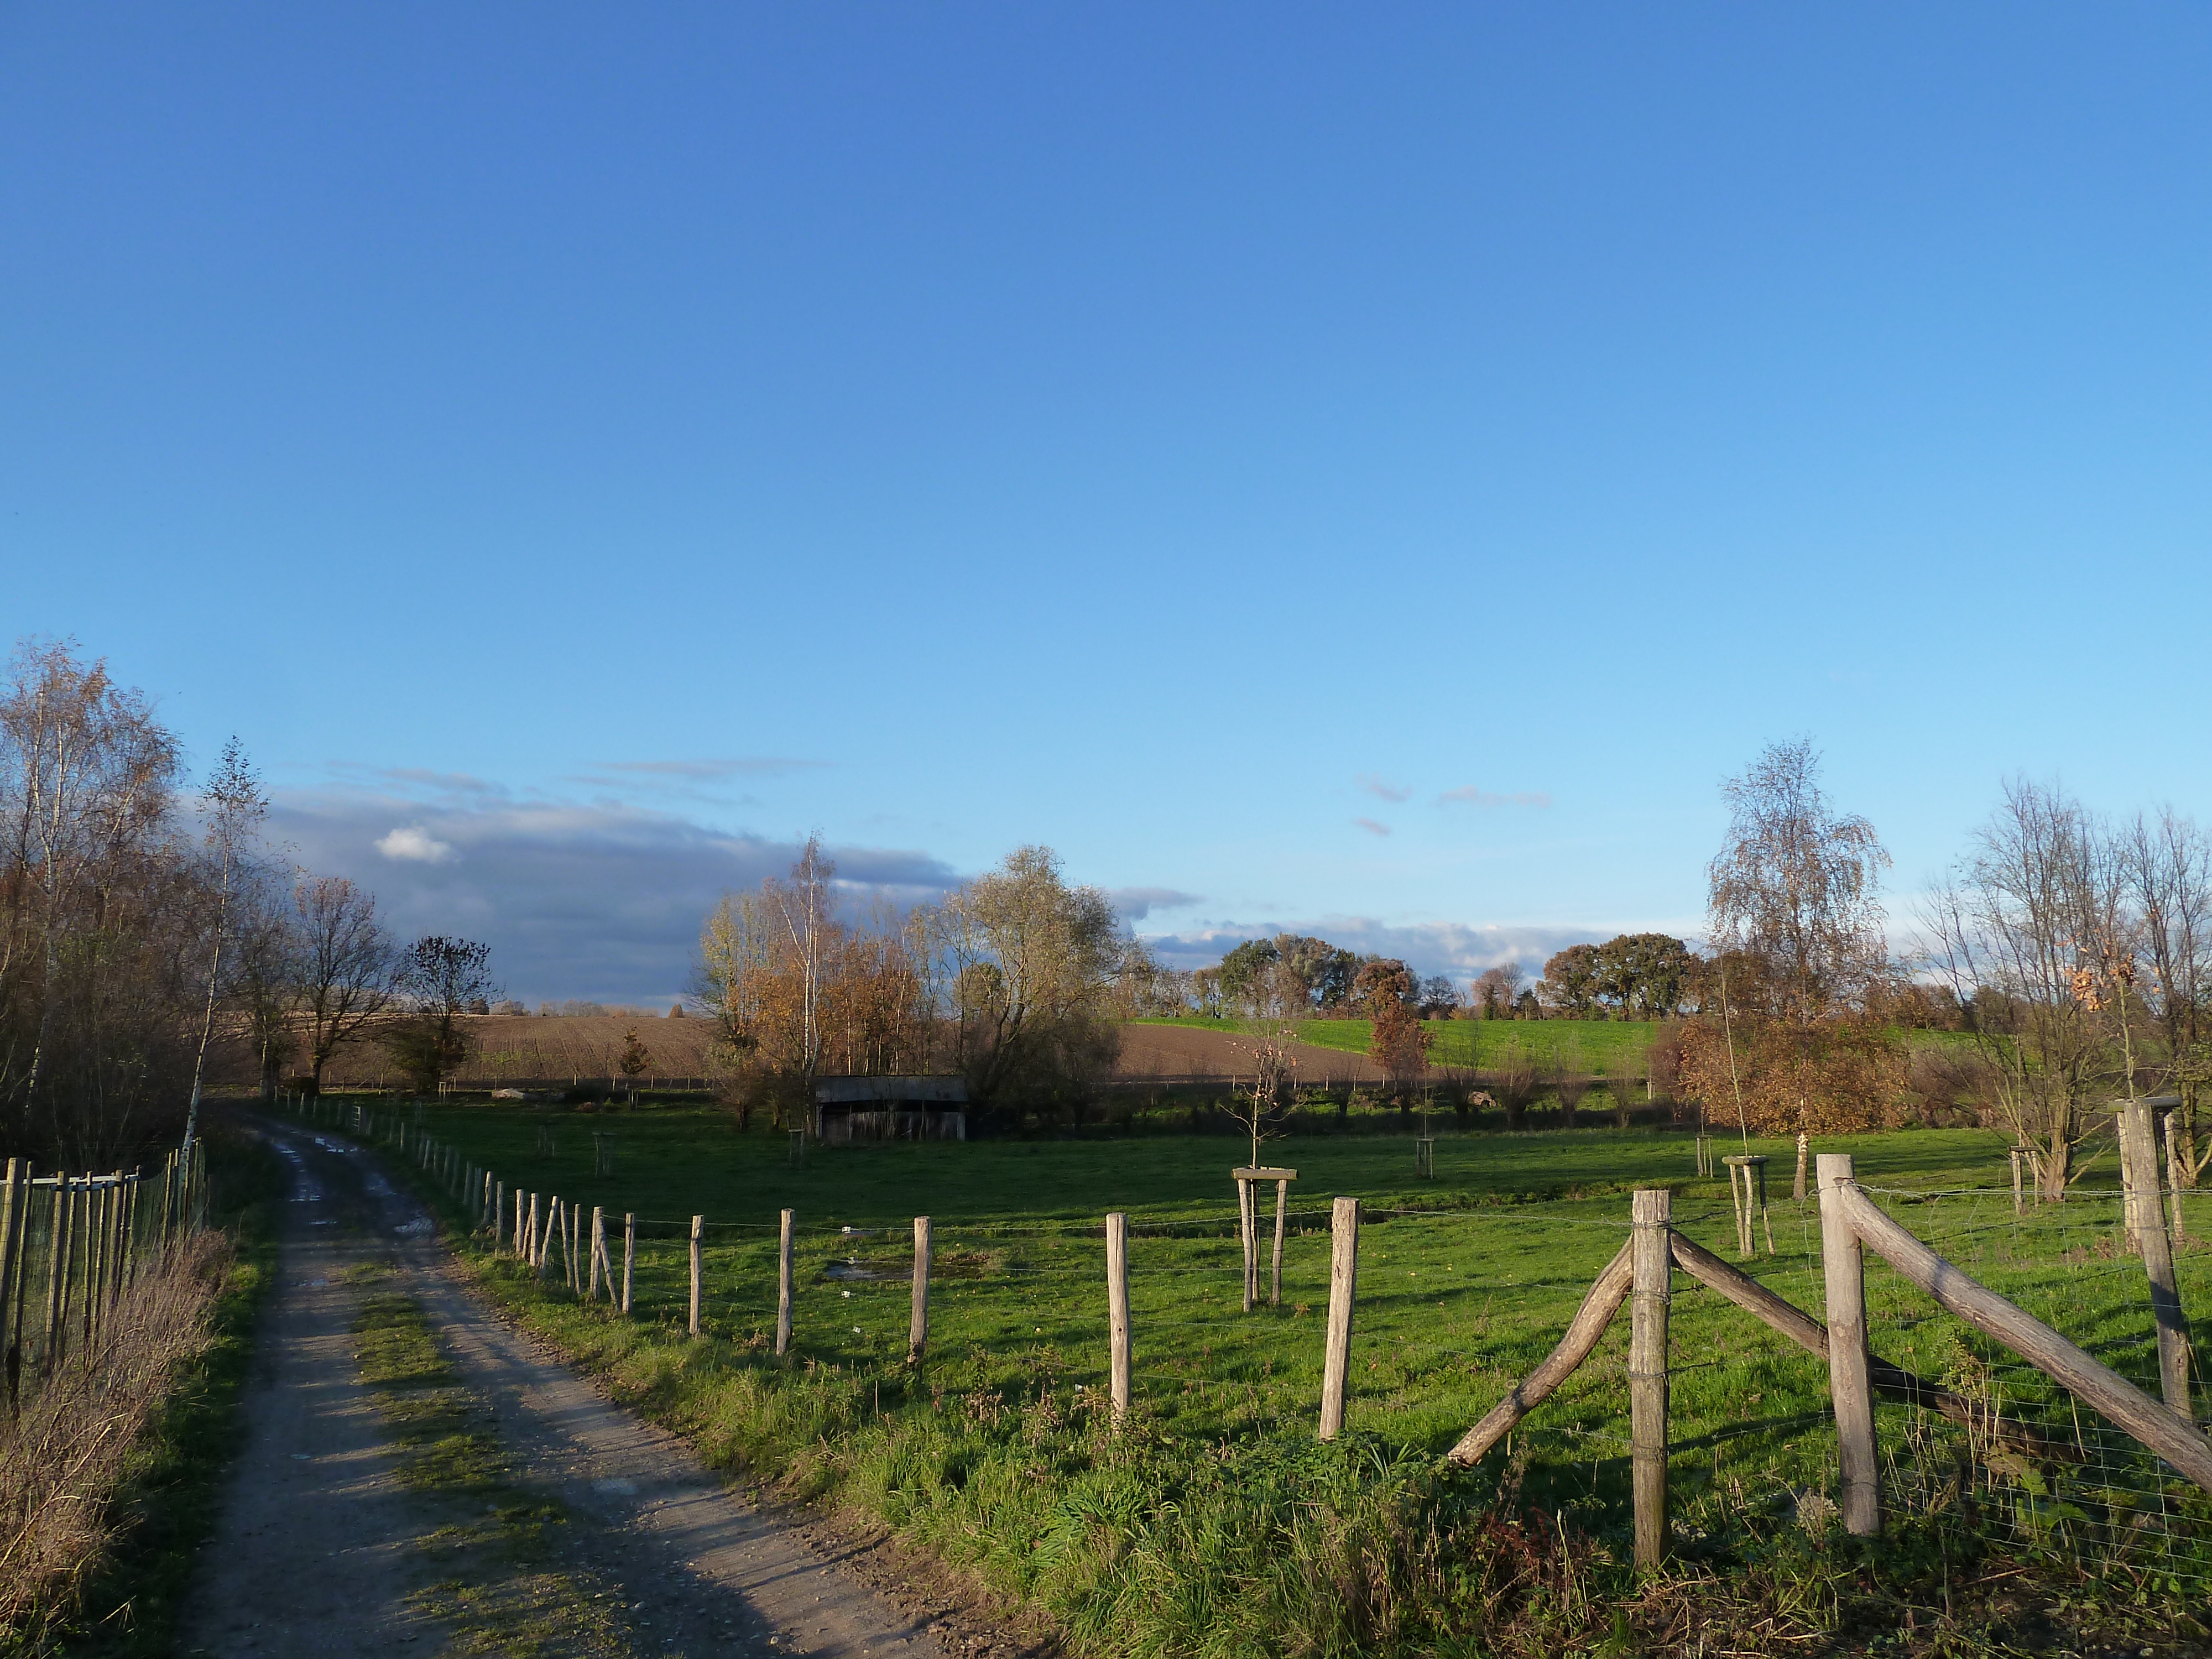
<point>783,1286</point>
<point>2018,1184</point>
<point>57,1254</point>
<point>20,1304</point>
<point>10,1207</point>
<point>630,1256</point>
<point>598,1252</point>
<point>572,1247</point>
<point>1850,1386</point>
<point>1282,1215</point>
<point>1651,1262</point>
<point>1117,1308</point>
<point>1797,1187</point>
<point>531,1246</point>
<point>2139,1173</point>
<point>498,1213</point>
<point>1343,1282</point>
<point>917,1326</point>
<point>698,1228</point>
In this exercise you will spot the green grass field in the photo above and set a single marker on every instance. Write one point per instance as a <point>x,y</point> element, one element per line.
<point>1216,1524</point>
<point>1599,1047</point>
<point>1602,1047</point>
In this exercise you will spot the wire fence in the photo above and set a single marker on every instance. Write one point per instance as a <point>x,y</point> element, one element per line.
<point>71,1247</point>
<point>1454,1308</point>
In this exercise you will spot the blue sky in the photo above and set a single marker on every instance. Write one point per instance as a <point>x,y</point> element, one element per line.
<point>1370,472</point>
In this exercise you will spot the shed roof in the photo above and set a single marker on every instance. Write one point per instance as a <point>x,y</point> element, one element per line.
<point>884,1090</point>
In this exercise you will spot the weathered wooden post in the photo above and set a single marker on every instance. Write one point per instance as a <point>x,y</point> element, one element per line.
<point>1343,1282</point>
<point>1424,1158</point>
<point>1797,1188</point>
<point>2147,1216</point>
<point>783,1286</point>
<point>1117,1308</point>
<point>498,1214</point>
<point>598,1252</point>
<point>917,1325</point>
<point>698,1227</point>
<point>630,1256</point>
<point>1282,1215</point>
<point>546,1234</point>
<point>1851,1386</point>
<point>1652,1263</point>
<point>531,1249</point>
<point>11,1205</point>
<point>2019,1181</point>
<point>58,1256</point>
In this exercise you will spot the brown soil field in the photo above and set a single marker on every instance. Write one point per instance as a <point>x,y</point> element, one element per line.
<point>548,1049</point>
<point>536,1051</point>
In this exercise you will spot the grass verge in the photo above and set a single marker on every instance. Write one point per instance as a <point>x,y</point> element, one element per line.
<point>126,1600</point>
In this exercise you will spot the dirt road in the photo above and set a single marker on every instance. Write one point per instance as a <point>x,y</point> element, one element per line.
<point>333,1540</point>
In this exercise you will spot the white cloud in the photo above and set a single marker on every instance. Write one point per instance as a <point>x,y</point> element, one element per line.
<point>1373,784</point>
<point>1372,827</point>
<point>415,845</point>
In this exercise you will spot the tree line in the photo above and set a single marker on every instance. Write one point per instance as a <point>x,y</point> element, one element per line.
<point>2070,952</point>
<point>148,938</point>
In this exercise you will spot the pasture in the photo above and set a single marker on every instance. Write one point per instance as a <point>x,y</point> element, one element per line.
<point>1214,1523</point>
<point>1597,1047</point>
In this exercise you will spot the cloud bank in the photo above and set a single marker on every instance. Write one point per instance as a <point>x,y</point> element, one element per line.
<point>602,901</point>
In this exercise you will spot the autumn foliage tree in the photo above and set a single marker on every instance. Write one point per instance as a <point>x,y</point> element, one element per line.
<point>1398,1042</point>
<point>796,992</point>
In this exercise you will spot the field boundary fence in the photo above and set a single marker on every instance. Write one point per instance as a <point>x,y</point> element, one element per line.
<point>71,1247</point>
<point>1941,1391</point>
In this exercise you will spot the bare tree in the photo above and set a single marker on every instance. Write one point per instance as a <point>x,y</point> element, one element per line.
<point>803,903</point>
<point>267,966</point>
<point>86,785</point>
<point>348,967</point>
<point>1259,1105</point>
<point>2025,930</point>
<point>233,806</point>
<point>1796,884</point>
<point>440,980</point>
<point>2166,868</point>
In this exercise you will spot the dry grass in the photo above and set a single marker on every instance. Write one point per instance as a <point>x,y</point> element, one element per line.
<point>63,1460</point>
